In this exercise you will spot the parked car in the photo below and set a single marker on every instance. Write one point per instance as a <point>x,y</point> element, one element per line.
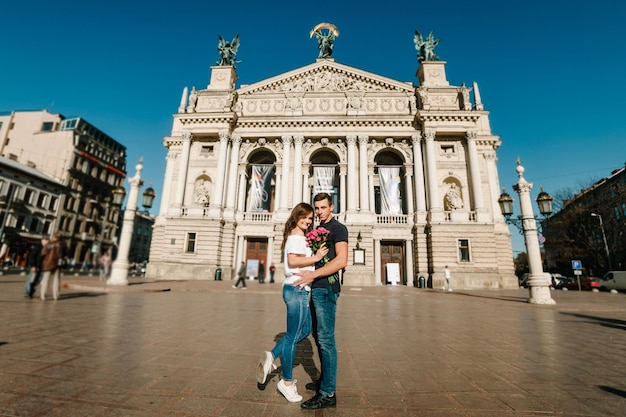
<point>552,278</point>
<point>614,280</point>
<point>586,283</point>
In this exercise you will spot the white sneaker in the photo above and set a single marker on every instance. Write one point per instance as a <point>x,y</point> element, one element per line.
<point>265,367</point>
<point>234,287</point>
<point>289,391</point>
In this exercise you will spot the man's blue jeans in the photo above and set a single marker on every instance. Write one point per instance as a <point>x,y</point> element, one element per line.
<point>31,282</point>
<point>323,311</point>
<point>298,327</point>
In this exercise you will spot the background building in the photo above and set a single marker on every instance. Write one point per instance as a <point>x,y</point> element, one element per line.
<point>591,228</point>
<point>412,170</point>
<point>89,163</point>
<point>29,202</point>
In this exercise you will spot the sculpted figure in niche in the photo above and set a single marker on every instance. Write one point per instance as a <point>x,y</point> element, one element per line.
<point>193,99</point>
<point>201,193</point>
<point>452,200</point>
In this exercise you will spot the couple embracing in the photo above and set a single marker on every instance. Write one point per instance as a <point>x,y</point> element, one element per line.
<point>312,260</point>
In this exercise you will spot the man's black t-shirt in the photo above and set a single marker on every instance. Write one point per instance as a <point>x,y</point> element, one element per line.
<point>338,233</point>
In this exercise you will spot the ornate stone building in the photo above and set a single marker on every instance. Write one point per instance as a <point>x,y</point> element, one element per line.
<point>412,170</point>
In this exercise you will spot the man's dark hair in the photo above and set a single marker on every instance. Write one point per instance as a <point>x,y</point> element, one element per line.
<point>323,196</point>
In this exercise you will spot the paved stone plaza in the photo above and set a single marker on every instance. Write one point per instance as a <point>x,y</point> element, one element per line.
<point>190,349</point>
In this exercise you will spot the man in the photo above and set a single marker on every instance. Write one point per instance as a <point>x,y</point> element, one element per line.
<point>325,289</point>
<point>241,276</point>
<point>447,276</point>
<point>33,263</point>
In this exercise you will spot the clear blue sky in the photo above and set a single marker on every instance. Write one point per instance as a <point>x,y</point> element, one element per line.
<point>550,72</point>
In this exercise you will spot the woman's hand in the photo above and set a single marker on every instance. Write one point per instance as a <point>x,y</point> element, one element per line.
<point>321,252</point>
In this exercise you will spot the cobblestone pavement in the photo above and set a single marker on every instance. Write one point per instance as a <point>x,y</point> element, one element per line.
<point>176,348</point>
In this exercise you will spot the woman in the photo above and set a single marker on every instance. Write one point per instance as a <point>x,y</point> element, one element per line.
<point>296,257</point>
<point>52,253</point>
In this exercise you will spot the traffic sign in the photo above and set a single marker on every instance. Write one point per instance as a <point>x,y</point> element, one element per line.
<point>577,265</point>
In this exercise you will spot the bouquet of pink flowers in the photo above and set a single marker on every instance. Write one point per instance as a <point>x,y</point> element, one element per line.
<point>314,240</point>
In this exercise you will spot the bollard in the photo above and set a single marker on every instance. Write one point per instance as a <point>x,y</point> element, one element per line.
<point>422,282</point>
<point>218,274</point>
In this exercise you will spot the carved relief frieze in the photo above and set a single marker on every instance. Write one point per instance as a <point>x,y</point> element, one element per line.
<point>326,80</point>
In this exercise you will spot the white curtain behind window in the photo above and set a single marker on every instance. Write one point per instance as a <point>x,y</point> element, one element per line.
<point>391,202</point>
<point>260,188</point>
<point>323,178</point>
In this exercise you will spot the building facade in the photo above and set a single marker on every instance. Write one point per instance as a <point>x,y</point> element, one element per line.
<point>86,161</point>
<point>412,171</point>
<point>29,203</point>
<point>591,228</point>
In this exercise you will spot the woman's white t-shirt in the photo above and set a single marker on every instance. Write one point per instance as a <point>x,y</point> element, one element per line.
<point>295,244</point>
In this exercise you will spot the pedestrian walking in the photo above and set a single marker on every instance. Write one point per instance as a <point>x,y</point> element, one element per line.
<point>105,265</point>
<point>272,271</point>
<point>261,273</point>
<point>53,255</point>
<point>447,276</point>
<point>325,290</point>
<point>241,276</point>
<point>33,263</point>
<point>297,256</point>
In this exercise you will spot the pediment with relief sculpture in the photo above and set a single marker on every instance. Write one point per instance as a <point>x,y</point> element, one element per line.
<point>325,87</point>
<point>326,75</point>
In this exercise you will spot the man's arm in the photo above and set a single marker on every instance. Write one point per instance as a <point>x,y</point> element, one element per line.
<point>338,263</point>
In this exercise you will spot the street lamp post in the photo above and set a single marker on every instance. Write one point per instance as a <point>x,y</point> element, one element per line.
<point>606,246</point>
<point>119,272</point>
<point>538,284</point>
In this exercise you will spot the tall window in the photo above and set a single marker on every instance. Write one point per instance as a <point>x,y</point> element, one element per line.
<point>464,250</point>
<point>191,242</point>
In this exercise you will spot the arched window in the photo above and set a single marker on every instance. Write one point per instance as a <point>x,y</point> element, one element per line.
<point>389,184</point>
<point>324,175</point>
<point>261,185</point>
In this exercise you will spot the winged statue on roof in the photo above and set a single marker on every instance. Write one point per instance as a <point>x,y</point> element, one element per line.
<point>426,46</point>
<point>228,51</point>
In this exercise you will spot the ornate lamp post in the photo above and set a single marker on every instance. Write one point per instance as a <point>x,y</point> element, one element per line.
<point>119,272</point>
<point>538,283</point>
<point>606,246</point>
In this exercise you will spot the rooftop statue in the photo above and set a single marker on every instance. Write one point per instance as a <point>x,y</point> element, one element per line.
<point>228,51</point>
<point>426,47</point>
<point>325,39</point>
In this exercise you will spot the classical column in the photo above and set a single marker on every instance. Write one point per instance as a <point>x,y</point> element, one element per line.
<point>342,187</point>
<point>408,188</point>
<point>297,169</point>
<point>431,167</point>
<point>370,191</point>
<point>494,184</point>
<point>377,262</point>
<point>231,191</point>
<point>538,284</point>
<point>167,183</point>
<point>242,190</point>
<point>119,272</point>
<point>474,169</point>
<point>363,183</point>
<point>218,191</point>
<point>182,169</point>
<point>418,173</point>
<point>284,189</point>
<point>410,275</point>
<point>351,175</point>
<point>306,191</point>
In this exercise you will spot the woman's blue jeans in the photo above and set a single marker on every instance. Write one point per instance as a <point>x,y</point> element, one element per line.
<point>298,327</point>
<point>323,310</point>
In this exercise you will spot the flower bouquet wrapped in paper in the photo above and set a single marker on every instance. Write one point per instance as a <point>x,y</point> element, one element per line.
<point>314,240</point>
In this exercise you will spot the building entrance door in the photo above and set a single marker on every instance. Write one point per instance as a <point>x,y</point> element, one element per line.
<point>257,251</point>
<point>391,253</point>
